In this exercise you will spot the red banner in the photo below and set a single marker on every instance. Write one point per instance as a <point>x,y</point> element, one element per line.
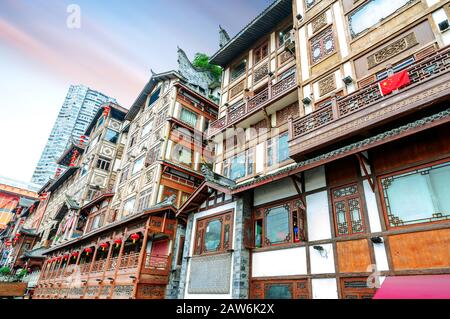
<point>394,82</point>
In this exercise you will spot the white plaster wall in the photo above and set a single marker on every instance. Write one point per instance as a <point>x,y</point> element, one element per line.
<point>259,160</point>
<point>338,78</point>
<point>299,6</point>
<point>282,262</point>
<point>318,216</point>
<point>381,257</point>
<point>340,29</point>
<point>372,208</point>
<point>315,178</point>
<point>324,288</point>
<point>218,168</point>
<point>205,213</point>
<point>322,264</point>
<point>439,16</point>
<point>431,2</point>
<point>274,191</point>
<point>303,53</point>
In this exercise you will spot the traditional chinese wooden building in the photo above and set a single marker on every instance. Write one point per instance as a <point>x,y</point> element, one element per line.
<point>332,154</point>
<point>129,242</point>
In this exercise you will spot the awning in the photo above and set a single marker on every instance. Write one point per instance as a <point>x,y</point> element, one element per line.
<point>415,287</point>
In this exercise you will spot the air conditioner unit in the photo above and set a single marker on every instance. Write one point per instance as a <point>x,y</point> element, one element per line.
<point>289,41</point>
<point>443,25</point>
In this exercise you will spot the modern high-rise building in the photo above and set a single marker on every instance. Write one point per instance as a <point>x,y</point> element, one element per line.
<point>79,108</point>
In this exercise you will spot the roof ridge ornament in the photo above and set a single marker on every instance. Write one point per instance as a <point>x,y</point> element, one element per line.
<point>224,38</point>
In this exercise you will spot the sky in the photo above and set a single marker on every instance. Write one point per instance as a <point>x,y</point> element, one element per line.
<point>117,43</point>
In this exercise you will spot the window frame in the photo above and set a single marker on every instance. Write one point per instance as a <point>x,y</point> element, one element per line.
<point>227,218</point>
<point>260,214</point>
<point>346,198</point>
<point>259,50</point>
<point>400,172</point>
<point>233,67</point>
<point>103,164</point>
<point>116,136</point>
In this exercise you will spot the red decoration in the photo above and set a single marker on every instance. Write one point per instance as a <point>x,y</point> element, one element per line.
<point>43,196</point>
<point>22,221</point>
<point>135,237</point>
<point>59,258</point>
<point>394,82</point>
<point>31,209</point>
<point>17,235</point>
<point>104,246</point>
<point>8,243</point>
<point>66,256</point>
<point>73,158</point>
<point>19,210</point>
<point>118,242</point>
<point>82,139</point>
<point>75,254</point>
<point>88,251</point>
<point>106,111</point>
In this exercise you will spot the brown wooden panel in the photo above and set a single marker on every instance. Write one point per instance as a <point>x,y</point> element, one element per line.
<point>421,250</point>
<point>342,171</point>
<point>427,145</point>
<point>353,256</point>
<point>12,289</point>
<point>150,291</point>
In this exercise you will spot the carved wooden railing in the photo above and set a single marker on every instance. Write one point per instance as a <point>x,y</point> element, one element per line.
<point>254,104</point>
<point>112,264</point>
<point>99,266</point>
<point>340,107</point>
<point>129,261</point>
<point>156,262</point>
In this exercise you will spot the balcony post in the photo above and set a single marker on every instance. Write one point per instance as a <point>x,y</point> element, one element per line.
<point>142,256</point>
<point>334,106</point>
<point>119,257</point>
<point>290,127</point>
<point>269,87</point>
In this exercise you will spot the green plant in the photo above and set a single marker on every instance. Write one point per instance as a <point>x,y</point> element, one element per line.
<point>5,271</point>
<point>201,61</point>
<point>21,274</point>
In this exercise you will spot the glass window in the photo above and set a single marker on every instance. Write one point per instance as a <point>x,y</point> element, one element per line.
<point>261,52</point>
<point>237,166</point>
<point>277,224</point>
<point>144,200</point>
<point>182,155</point>
<point>322,45</point>
<point>278,291</point>
<point>238,69</point>
<point>213,235</point>
<point>154,96</point>
<point>111,136</point>
<point>188,117</point>
<point>283,148</point>
<point>128,207</point>
<point>138,164</point>
<point>418,196</point>
<point>103,164</point>
<point>147,129</point>
<point>371,13</point>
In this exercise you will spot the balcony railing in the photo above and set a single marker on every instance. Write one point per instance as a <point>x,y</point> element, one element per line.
<point>156,262</point>
<point>254,104</point>
<point>340,107</point>
<point>128,261</point>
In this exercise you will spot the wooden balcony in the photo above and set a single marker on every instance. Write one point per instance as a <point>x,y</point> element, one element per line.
<point>367,108</point>
<point>264,99</point>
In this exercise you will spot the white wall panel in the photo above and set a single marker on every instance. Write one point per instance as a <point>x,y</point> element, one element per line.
<point>282,262</point>
<point>322,262</point>
<point>318,216</point>
<point>324,288</point>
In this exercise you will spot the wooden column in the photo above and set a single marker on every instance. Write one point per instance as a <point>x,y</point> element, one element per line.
<point>142,254</point>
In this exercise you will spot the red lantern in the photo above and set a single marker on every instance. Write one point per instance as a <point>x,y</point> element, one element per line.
<point>17,235</point>
<point>135,237</point>
<point>82,139</point>
<point>31,209</point>
<point>22,221</point>
<point>104,246</point>
<point>106,111</point>
<point>118,242</point>
<point>59,258</point>
<point>66,256</point>
<point>75,254</point>
<point>8,243</point>
<point>88,251</point>
<point>19,210</point>
<point>73,158</point>
<point>43,197</point>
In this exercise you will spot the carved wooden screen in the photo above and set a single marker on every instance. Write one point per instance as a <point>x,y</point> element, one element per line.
<point>348,214</point>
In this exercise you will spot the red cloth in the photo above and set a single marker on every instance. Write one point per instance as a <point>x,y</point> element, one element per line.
<point>415,287</point>
<point>394,82</point>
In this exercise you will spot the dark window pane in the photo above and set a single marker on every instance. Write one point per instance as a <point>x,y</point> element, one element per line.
<point>111,136</point>
<point>278,291</point>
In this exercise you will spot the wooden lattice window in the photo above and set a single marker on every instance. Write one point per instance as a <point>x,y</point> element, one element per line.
<point>278,224</point>
<point>356,288</point>
<point>279,289</point>
<point>322,45</point>
<point>261,52</point>
<point>214,234</point>
<point>348,214</point>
